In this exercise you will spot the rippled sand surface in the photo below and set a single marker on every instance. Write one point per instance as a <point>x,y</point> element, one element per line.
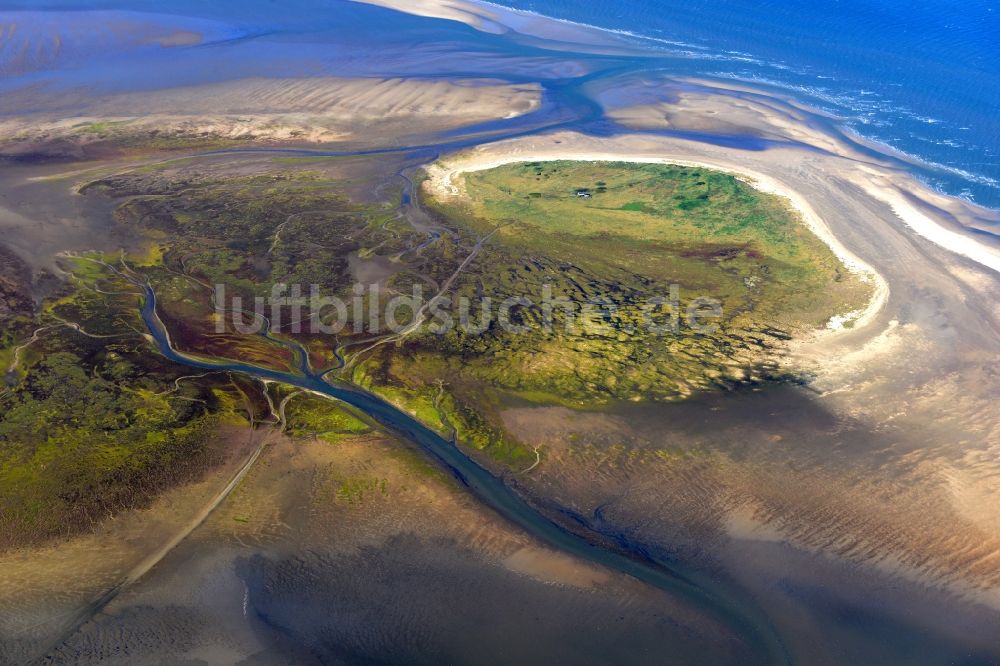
<point>858,512</point>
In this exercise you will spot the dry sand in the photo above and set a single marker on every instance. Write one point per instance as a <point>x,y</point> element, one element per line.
<point>312,110</point>
<point>480,18</point>
<point>445,180</point>
<point>496,19</point>
<point>916,373</point>
<point>910,489</point>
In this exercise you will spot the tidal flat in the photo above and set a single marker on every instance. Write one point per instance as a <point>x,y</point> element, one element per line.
<point>567,441</point>
<point>816,475</point>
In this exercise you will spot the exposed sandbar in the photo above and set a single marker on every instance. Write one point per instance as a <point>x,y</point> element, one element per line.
<point>310,110</point>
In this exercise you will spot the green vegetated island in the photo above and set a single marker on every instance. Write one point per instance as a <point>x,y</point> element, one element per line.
<point>96,422</point>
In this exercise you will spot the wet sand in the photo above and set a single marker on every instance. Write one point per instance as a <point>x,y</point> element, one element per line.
<point>870,498</point>
<point>775,490</point>
<point>311,110</point>
<point>860,512</point>
<point>46,590</point>
<point>915,312</point>
<point>355,550</point>
<point>896,494</point>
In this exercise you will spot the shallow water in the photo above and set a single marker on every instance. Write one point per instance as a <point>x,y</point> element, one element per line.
<point>921,78</point>
<point>340,38</point>
<point>741,618</point>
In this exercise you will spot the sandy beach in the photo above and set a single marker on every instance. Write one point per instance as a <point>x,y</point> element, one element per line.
<point>762,114</point>
<point>445,180</point>
<point>884,225</point>
<point>853,505</point>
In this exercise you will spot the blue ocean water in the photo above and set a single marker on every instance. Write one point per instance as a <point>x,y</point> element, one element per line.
<point>922,76</point>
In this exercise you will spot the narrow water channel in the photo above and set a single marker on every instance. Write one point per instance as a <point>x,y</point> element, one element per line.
<point>746,623</point>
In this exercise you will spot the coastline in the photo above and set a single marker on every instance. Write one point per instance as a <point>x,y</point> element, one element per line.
<point>441,179</point>
<point>903,344</point>
<point>496,19</point>
<point>856,509</point>
<point>940,235</point>
<point>493,18</point>
<point>844,198</point>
